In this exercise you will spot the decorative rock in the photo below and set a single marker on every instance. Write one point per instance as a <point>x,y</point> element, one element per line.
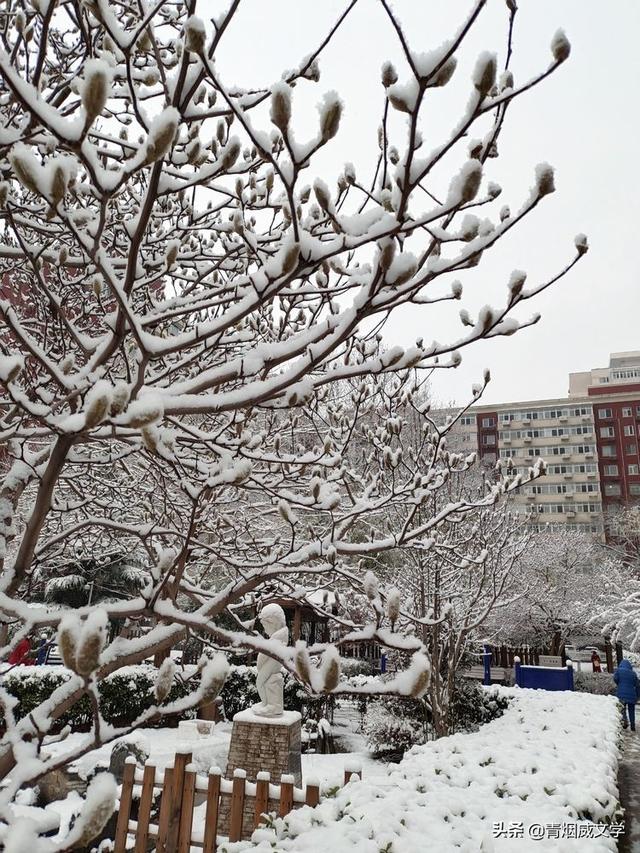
<point>56,785</point>
<point>119,754</point>
<point>196,728</point>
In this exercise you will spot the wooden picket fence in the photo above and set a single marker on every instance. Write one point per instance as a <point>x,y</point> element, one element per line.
<point>180,786</point>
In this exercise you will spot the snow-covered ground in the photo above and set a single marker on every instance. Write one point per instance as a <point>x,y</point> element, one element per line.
<point>552,758</point>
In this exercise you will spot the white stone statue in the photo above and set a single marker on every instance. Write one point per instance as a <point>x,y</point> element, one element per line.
<point>269,681</point>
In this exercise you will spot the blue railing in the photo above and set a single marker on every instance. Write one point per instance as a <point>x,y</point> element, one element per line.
<point>536,677</point>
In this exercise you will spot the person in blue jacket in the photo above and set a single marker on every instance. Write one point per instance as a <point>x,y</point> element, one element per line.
<point>627,692</point>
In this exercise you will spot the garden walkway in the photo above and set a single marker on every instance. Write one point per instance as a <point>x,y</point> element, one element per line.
<point>629,782</point>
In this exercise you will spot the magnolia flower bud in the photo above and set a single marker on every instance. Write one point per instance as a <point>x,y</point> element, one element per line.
<point>331,669</point>
<point>290,260</point>
<point>322,194</point>
<point>98,401</point>
<point>387,253</point>
<point>420,669</point>
<point>303,662</point>
<point>91,643</point>
<point>393,604</point>
<point>99,805</point>
<point>164,680</point>
<point>172,253</point>
<point>67,640</point>
<point>560,46</point>
<point>214,675</point>
<point>25,167</point>
<point>231,154</point>
<point>443,74</point>
<point>370,584</point>
<point>389,75</point>
<point>161,134</point>
<point>484,74</point>
<point>330,113</point>
<point>280,112</point>
<point>119,399</point>
<point>194,34</point>
<point>506,80</point>
<point>544,179</point>
<point>516,282</point>
<point>58,184</point>
<point>456,289</point>
<point>469,228</point>
<point>95,87</point>
<point>150,438</point>
<point>581,243</point>
<point>471,181</point>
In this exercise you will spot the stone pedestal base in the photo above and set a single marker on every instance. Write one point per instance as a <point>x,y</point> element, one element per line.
<point>258,744</point>
<point>266,743</point>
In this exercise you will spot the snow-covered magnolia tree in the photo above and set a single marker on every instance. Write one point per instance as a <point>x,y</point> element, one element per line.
<point>178,303</point>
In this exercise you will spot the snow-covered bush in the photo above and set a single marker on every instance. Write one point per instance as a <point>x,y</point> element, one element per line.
<point>473,705</point>
<point>592,682</point>
<point>394,726</point>
<point>122,696</point>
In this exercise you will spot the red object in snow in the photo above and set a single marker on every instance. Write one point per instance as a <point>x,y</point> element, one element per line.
<point>21,653</point>
<point>595,662</point>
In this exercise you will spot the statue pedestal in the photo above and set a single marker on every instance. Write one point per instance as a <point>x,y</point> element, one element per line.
<point>266,743</point>
<point>258,744</point>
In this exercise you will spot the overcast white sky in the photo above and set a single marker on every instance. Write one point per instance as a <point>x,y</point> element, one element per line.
<point>583,120</point>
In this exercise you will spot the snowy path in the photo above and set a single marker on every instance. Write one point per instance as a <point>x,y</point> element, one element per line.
<point>629,781</point>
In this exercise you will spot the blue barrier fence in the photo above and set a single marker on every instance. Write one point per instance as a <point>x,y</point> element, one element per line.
<point>536,677</point>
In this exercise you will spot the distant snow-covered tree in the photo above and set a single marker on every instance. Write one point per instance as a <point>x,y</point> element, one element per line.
<point>560,580</point>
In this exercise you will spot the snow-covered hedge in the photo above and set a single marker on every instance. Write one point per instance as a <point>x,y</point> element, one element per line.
<point>124,695</point>
<point>601,684</point>
<point>397,724</point>
<point>550,758</point>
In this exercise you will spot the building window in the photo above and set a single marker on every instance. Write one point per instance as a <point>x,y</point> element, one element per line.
<point>629,429</point>
<point>626,412</point>
<point>488,439</point>
<point>634,488</point>
<point>612,489</point>
<point>632,469</point>
<point>638,411</point>
<point>611,470</point>
<point>605,413</point>
<point>607,432</point>
<point>468,420</point>
<point>488,422</point>
<point>609,450</point>
<point>631,448</point>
